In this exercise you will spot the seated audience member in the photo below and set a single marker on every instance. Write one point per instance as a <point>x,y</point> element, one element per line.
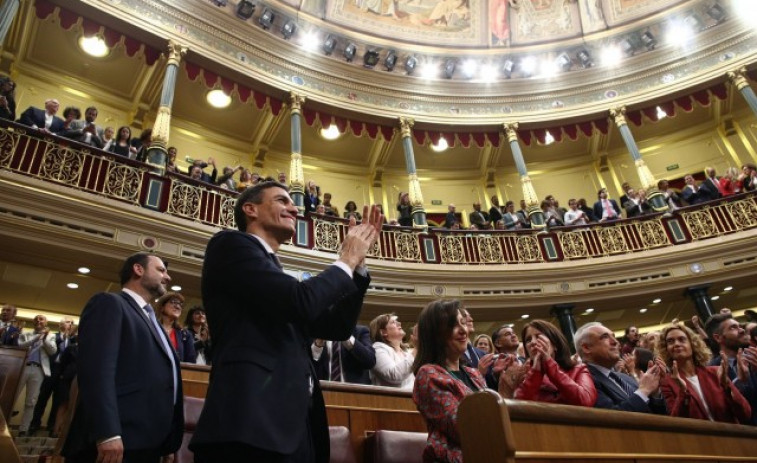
<point>729,182</point>
<point>575,216</point>
<point>472,354</point>
<point>650,340</point>
<point>168,310</point>
<point>227,179</point>
<point>7,98</point>
<point>550,215</point>
<point>484,343</point>
<point>85,131</point>
<point>405,210</point>
<point>637,204</point>
<point>605,208</point>
<point>312,196</point>
<point>692,193</point>
<point>510,219</point>
<point>479,218</point>
<point>9,332</point>
<point>552,376</point>
<point>43,120</point>
<point>196,171</point>
<point>394,361</point>
<point>496,211</point>
<point>121,145</point>
<point>600,351</point>
<point>331,210</point>
<point>142,145</point>
<point>523,214</point>
<point>109,136</point>
<point>630,340</point>
<point>582,206</point>
<point>748,177</point>
<point>711,185</point>
<point>350,210</point>
<point>732,342</point>
<point>450,220</point>
<point>442,381</point>
<point>672,198</point>
<point>694,390</point>
<point>42,347</point>
<point>197,325</point>
<point>347,361</point>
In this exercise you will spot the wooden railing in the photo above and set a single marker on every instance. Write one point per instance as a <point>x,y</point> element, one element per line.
<point>65,162</point>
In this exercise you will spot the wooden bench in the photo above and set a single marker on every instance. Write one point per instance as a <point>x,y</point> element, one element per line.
<point>493,429</point>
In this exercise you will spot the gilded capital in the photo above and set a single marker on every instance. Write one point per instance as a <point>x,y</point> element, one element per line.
<point>175,51</point>
<point>738,78</point>
<point>406,123</point>
<point>296,100</point>
<point>511,131</point>
<point>619,115</point>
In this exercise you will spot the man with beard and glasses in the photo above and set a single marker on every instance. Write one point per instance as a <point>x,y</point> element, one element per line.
<point>131,407</point>
<point>733,341</point>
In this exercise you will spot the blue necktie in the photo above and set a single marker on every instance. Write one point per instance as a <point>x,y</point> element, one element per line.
<point>166,347</point>
<point>627,388</point>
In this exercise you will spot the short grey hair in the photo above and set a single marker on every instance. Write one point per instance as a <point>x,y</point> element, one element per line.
<point>580,336</point>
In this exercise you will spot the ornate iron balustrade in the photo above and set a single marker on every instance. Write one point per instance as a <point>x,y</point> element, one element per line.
<point>68,163</point>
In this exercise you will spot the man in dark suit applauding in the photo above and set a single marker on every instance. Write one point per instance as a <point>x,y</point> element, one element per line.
<point>264,402</point>
<point>599,349</point>
<point>131,403</point>
<point>354,357</point>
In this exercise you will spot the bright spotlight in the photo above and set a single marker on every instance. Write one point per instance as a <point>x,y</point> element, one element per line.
<point>611,56</point>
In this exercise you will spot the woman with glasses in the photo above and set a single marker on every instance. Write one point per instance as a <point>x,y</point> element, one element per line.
<point>168,310</point>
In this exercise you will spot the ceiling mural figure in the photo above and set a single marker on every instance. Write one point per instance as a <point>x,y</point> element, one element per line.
<point>499,22</point>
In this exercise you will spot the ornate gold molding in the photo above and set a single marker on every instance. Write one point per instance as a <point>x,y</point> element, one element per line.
<point>406,124</point>
<point>414,190</point>
<point>511,131</point>
<point>175,52</point>
<point>296,101</point>
<point>738,78</point>
<point>619,115</point>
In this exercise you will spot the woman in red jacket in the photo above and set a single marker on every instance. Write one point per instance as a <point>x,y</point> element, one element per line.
<point>441,382</point>
<point>552,376</point>
<point>694,390</point>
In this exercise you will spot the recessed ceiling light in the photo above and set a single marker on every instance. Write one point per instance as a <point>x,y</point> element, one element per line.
<point>83,270</point>
<point>715,298</point>
<point>524,316</point>
<point>72,285</point>
<point>589,310</point>
<point>175,288</point>
<point>656,301</point>
<point>94,46</point>
<point>728,288</point>
<point>331,132</point>
<point>644,310</point>
<point>440,146</point>
<point>218,98</point>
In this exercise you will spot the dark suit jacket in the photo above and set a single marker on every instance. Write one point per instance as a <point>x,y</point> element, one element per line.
<point>495,214</point>
<point>125,381</point>
<point>262,321</point>
<point>635,210</point>
<point>709,191</point>
<point>10,336</point>
<point>35,116</point>
<point>185,349</point>
<point>692,197</point>
<point>355,362</point>
<point>610,396</point>
<point>76,132</point>
<point>598,208</point>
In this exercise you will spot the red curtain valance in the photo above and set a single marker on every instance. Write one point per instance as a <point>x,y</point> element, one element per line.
<point>686,103</point>
<point>211,80</point>
<point>356,127</point>
<point>68,19</point>
<point>464,138</point>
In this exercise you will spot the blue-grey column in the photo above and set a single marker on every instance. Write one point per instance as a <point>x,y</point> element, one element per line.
<point>535,214</point>
<point>8,12</point>
<point>414,185</point>
<point>564,314</point>
<point>742,85</point>
<point>296,174</point>
<point>157,154</point>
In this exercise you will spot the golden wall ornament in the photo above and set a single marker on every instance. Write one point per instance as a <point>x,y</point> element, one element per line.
<point>700,224</point>
<point>123,181</point>
<point>490,249</point>
<point>573,245</point>
<point>528,249</point>
<point>451,249</point>
<point>645,175</point>
<point>619,115</point>
<point>62,164</point>
<point>326,235</point>
<point>162,127</point>
<point>612,240</point>
<point>511,131</point>
<point>414,190</point>
<point>175,52</point>
<point>296,174</point>
<point>737,78</point>
<point>407,246</point>
<point>226,216</point>
<point>529,194</point>
<point>406,125</point>
<point>743,213</point>
<point>295,102</point>
<point>8,145</point>
<point>652,234</point>
<point>184,200</point>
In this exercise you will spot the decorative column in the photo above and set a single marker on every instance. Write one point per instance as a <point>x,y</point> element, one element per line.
<point>655,198</point>
<point>564,314</point>
<point>738,79</point>
<point>8,12</point>
<point>157,153</point>
<point>414,185</point>
<point>702,301</point>
<point>535,215</point>
<point>296,175</point>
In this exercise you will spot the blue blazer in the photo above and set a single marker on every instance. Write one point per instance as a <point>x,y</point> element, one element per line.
<point>35,116</point>
<point>610,396</point>
<point>125,381</point>
<point>264,392</point>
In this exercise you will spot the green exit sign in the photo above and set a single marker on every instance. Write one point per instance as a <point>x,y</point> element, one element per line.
<point>672,167</point>
<point>436,202</point>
